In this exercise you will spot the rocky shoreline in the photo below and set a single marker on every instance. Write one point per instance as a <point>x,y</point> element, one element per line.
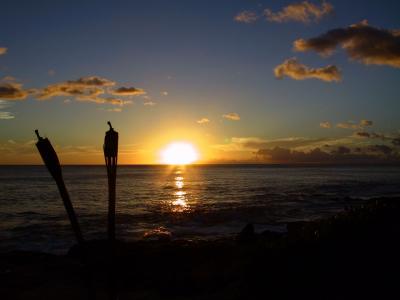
<point>353,255</point>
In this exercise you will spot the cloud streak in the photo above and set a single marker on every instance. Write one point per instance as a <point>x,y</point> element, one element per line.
<point>127,91</point>
<point>362,42</point>
<point>292,68</point>
<point>304,12</point>
<point>325,125</point>
<point>203,121</point>
<point>354,126</point>
<point>246,16</point>
<point>231,116</point>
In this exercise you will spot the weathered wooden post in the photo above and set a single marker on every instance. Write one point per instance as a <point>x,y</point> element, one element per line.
<point>52,163</point>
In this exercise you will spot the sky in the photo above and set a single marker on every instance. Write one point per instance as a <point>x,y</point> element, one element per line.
<point>243,81</point>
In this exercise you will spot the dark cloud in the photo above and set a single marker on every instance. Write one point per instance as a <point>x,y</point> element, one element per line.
<point>396,141</point>
<point>127,91</point>
<point>341,150</point>
<point>362,42</point>
<point>294,69</point>
<point>13,91</point>
<point>362,134</point>
<point>304,12</point>
<point>291,142</point>
<point>340,154</point>
<point>383,149</point>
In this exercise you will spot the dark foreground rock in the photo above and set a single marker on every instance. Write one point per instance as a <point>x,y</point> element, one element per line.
<point>354,255</point>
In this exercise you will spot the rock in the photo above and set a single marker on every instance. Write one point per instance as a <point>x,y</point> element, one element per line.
<point>247,234</point>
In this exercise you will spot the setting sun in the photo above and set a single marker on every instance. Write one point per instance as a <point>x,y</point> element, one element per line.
<point>179,153</point>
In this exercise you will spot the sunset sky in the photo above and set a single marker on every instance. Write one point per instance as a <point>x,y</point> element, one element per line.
<point>243,81</point>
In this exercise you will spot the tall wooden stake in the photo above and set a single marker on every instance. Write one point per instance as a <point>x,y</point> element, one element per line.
<point>52,163</point>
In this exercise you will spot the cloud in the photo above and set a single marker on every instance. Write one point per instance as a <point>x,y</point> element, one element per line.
<point>396,141</point>
<point>108,100</point>
<point>127,91</point>
<point>4,104</point>
<point>149,103</point>
<point>203,121</point>
<point>8,78</point>
<point>164,93</point>
<point>294,69</point>
<point>362,134</point>
<point>325,125</point>
<point>298,143</point>
<point>246,16</point>
<point>341,154</point>
<point>362,43</point>
<point>112,109</point>
<point>3,50</point>
<point>231,116</point>
<point>366,123</point>
<point>348,125</point>
<point>5,115</point>
<point>13,91</point>
<point>84,88</point>
<point>354,126</point>
<point>304,12</point>
<point>89,89</point>
<point>91,81</point>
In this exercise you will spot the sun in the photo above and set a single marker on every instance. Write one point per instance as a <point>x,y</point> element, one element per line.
<point>179,153</point>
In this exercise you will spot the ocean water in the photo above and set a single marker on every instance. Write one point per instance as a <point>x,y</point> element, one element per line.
<point>192,202</point>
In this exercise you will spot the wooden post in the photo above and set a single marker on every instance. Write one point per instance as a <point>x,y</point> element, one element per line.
<point>52,163</point>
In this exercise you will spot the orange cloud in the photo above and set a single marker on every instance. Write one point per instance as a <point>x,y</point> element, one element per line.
<point>304,12</point>
<point>231,116</point>
<point>246,17</point>
<point>294,69</point>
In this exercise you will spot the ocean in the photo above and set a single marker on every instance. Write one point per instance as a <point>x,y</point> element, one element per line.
<point>191,202</point>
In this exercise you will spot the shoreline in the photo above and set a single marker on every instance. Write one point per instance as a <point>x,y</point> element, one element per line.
<point>357,248</point>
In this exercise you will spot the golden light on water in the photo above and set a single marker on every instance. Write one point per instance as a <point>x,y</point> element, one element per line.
<point>179,153</point>
<point>179,204</point>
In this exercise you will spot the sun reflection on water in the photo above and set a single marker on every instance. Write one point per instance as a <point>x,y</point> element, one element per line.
<point>179,203</point>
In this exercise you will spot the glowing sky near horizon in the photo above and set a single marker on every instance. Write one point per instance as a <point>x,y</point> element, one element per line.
<point>221,75</point>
